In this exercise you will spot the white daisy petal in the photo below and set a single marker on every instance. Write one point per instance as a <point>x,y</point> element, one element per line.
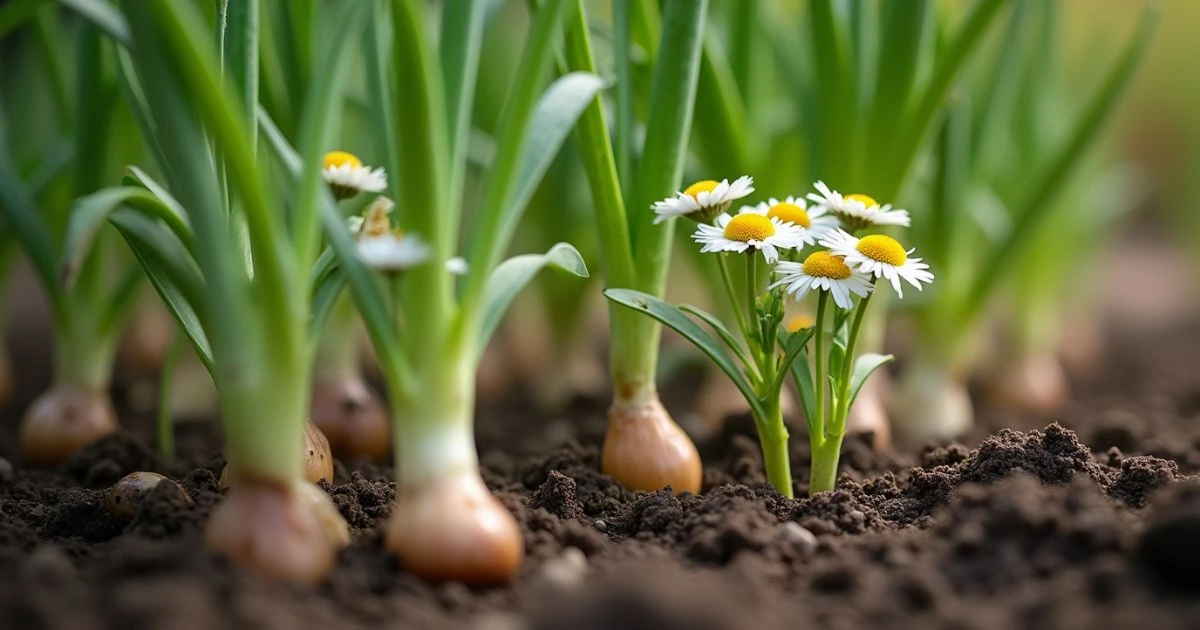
<point>347,175</point>
<point>702,200</point>
<point>823,271</point>
<point>881,257</point>
<point>857,211</point>
<point>750,230</point>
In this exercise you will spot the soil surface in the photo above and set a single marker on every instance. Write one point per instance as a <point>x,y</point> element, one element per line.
<point>1092,521</point>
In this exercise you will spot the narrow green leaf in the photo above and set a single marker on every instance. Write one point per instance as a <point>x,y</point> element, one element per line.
<point>678,321</point>
<point>794,345</point>
<point>19,211</point>
<point>93,212</point>
<point>965,41</point>
<point>600,159</point>
<point>510,276</point>
<point>721,331</point>
<point>672,102</point>
<point>173,275</point>
<point>1031,212</point>
<point>864,366</point>
<point>518,148</point>
<point>553,119</point>
<point>805,387</point>
<point>104,16</point>
<point>16,13</point>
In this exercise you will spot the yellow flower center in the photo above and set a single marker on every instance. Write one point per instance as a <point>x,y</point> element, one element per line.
<point>694,190</point>
<point>790,213</point>
<point>799,322</point>
<point>882,248</point>
<point>749,227</point>
<point>863,199</point>
<point>826,265</point>
<point>342,158</point>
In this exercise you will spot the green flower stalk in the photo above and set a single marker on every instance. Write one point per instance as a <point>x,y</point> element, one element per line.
<point>88,314</point>
<point>233,263</point>
<point>760,361</point>
<point>644,448</point>
<point>429,326</point>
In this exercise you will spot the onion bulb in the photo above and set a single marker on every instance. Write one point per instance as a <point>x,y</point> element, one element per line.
<point>286,532</point>
<point>63,420</point>
<point>453,529</point>
<point>644,449</point>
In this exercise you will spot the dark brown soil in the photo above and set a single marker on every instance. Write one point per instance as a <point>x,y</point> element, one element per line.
<point>1091,522</point>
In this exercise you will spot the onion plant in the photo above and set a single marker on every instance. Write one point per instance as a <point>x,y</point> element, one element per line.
<point>429,326</point>
<point>1006,152</point>
<point>232,248</point>
<point>644,449</point>
<point>844,268</point>
<point>59,139</point>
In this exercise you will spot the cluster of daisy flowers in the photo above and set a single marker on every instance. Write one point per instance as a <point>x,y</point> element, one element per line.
<point>379,245</point>
<point>779,229</point>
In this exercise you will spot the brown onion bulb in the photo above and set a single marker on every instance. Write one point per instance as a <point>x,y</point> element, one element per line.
<point>645,450</point>
<point>351,417</point>
<point>63,420</point>
<point>453,529</point>
<point>280,531</point>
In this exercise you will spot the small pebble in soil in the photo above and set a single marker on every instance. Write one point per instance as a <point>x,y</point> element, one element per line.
<point>798,539</point>
<point>563,572</point>
<point>127,494</point>
<point>600,526</point>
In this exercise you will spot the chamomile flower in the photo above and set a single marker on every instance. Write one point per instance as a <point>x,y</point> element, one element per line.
<point>749,230</point>
<point>347,176</point>
<point>393,252</point>
<point>382,247</point>
<point>857,211</point>
<point>703,200</point>
<point>814,222</point>
<point>880,256</point>
<point>823,271</point>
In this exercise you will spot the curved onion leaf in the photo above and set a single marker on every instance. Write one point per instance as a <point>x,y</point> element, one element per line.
<point>174,275</point>
<point>512,275</point>
<point>678,321</point>
<point>93,212</point>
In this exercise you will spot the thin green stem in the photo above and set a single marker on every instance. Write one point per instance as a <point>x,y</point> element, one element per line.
<point>729,290</point>
<point>820,368</point>
<point>842,409</point>
<point>756,345</point>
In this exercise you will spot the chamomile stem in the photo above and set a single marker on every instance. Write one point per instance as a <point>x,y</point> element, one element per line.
<point>756,346</point>
<point>774,443</point>
<point>728,282</point>
<point>842,410</point>
<point>820,367</point>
